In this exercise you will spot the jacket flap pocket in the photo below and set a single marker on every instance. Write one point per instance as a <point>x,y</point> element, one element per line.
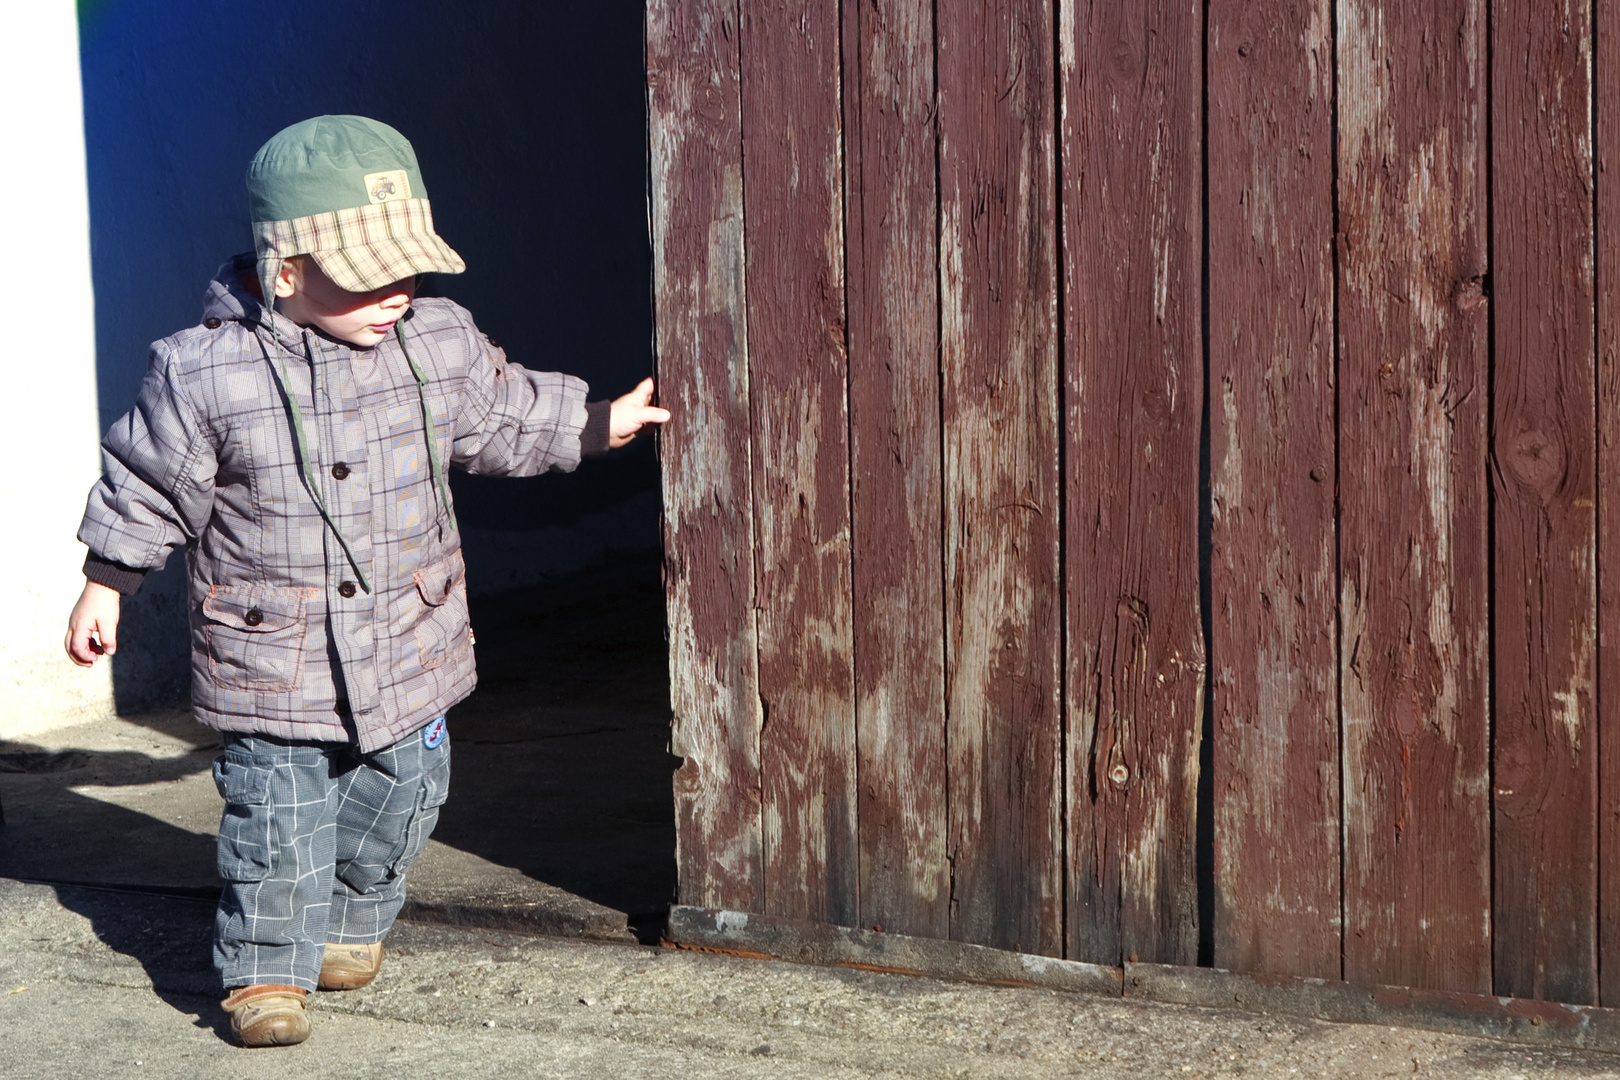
<point>256,610</point>
<point>438,581</point>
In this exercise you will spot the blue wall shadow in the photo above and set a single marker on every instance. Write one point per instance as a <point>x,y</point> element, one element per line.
<point>529,122</point>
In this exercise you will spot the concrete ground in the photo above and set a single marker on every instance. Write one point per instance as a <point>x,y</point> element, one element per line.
<point>559,821</point>
<point>105,984</point>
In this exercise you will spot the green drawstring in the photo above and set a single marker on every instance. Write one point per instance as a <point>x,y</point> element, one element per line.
<point>428,428</point>
<point>305,466</point>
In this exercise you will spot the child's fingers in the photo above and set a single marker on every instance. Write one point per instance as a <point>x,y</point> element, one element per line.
<point>644,392</point>
<point>107,635</point>
<point>80,648</point>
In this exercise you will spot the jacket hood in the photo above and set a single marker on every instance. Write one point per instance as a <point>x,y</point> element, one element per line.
<point>233,296</point>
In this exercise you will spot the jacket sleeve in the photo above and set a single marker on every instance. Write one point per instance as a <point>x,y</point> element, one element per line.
<point>517,422</point>
<point>157,486</point>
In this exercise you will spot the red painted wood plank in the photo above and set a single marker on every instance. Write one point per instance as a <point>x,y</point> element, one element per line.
<point>1544,448</point>
<point>1607,168</point>
<point>695,153</point>
<point>1275,589</point>
<point>893,296</point>
<point>793,190</point>
<point>1413,328</point>
<point>1132,171</point>
<point>998,297</point>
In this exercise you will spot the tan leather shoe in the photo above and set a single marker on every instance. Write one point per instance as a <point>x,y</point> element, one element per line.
<point>268,1015</point>
<point>349,967</point>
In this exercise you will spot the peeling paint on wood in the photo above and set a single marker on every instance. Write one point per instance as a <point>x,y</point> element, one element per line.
<point>793,185</point>
<point>1273,477</point>
<point>893,289</point>
<point>1544,449</point>
<point>1412,370</point>
<point>695,156</point>
<point>1131,125</point>
<point>998,355</point>
<point>863,552</point>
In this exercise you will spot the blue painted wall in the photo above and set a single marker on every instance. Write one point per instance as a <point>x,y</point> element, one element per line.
<point>529,121</point>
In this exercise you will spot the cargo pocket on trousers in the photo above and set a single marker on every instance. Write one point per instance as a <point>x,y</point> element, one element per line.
<point>255,636</point>
<point>398,838</point>
<point>435,790</point>
<point>247,828</point>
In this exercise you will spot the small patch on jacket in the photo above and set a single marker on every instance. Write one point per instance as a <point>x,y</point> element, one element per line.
<point>433,734</point>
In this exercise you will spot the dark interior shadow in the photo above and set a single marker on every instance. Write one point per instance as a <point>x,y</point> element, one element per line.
<point>562,768</point>
<point>530,124</point>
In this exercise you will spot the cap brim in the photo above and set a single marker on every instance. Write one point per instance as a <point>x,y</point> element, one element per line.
<point>385,260</point>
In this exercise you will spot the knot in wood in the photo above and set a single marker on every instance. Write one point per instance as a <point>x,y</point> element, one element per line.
<point>1536,461</point>
<point>1119,774</point>
<point>1469,294</point>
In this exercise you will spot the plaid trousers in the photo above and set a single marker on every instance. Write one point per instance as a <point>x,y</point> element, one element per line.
<point>313,847</point>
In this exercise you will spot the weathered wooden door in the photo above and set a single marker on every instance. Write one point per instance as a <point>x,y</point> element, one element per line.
<point>1143,474</point>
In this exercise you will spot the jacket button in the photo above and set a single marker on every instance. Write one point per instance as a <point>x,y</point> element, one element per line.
<point>212,322</point>
<point>346,589</point>
<point>447,583</point>
<point>340,471</point>
<point>494,344</point>
<point>253,617</point>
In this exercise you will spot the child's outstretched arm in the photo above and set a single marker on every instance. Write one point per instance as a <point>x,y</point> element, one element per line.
<point>629,414</point>
<point>93,626</point>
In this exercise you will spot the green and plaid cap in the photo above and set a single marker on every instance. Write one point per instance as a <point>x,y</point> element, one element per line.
<point>347,192</point>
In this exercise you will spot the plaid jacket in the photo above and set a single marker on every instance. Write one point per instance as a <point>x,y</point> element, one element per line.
<point>286,640</point>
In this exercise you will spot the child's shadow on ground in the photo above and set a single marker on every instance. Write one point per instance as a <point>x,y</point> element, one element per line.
<point>160,913</point>
<point>168,936</point>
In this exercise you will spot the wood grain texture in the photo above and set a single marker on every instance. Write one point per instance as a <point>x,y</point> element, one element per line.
<point>1272,452</point>
<point>695,157</point>
<point>793,190</point>
<point>1545,480</point>
<point>893,299</point>
<point>998,348</point>
<point>1413,323</point>
<point>1132,172</point>
<point>1607,174</point>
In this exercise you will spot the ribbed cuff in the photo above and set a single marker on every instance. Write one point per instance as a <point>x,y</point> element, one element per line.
<point>125,579</point>
<point>594,439</point>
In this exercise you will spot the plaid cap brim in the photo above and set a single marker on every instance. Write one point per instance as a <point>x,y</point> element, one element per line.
<point>364,247</point>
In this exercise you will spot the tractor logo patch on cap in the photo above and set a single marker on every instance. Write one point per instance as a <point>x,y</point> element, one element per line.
<point>387,186</point>
<point>433,734</point>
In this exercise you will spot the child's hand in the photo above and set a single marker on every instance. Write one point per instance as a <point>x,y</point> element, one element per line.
<point>93,626</point>
<point>632,412</point>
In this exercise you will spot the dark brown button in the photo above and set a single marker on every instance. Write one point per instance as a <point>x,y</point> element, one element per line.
<point>253,617</point>
<point>446,584</point>
<point>211,322</point>
<point>494,344</point>
<point>340,471</point>
<point>346,589</point>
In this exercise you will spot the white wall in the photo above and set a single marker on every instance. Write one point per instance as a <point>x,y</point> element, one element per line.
<point>49,432</point>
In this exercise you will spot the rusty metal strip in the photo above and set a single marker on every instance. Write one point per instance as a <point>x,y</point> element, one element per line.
<point>1540,1023</point>
<point>872,950</point>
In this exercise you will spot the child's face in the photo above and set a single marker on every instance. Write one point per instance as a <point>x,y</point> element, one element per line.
<point>309,298</point>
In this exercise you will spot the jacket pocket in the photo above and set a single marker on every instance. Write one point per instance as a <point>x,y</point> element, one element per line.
<point>247,828</point>
<point>443,633</point>
<point>255,636</point>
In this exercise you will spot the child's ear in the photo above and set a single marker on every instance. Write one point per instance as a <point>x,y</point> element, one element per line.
<point>290,278</point>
